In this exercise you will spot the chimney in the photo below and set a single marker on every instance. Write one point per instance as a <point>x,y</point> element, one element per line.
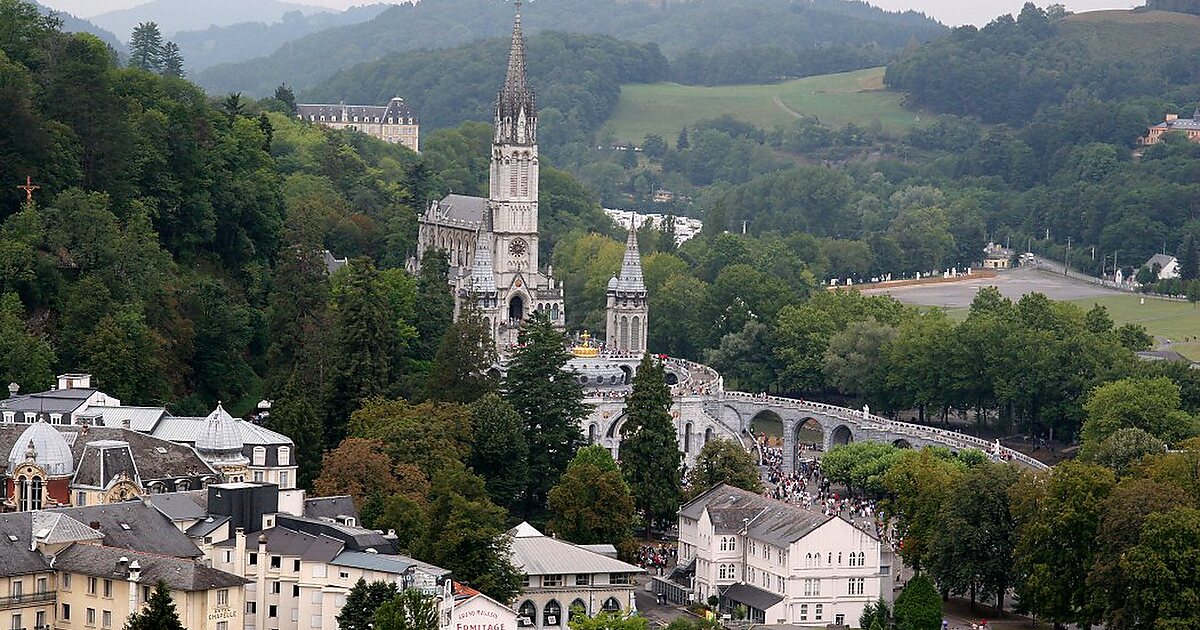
<point>135,572</point>
<point>74,381</point>
<point>1172,117</point>
<point>13,388</point>
<point>95,525</point>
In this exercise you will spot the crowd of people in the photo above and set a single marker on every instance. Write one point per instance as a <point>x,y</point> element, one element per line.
<point>808,487</point>
<point>656,558</point>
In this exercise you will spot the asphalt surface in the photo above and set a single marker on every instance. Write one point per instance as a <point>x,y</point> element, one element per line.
<point>1012,284</point>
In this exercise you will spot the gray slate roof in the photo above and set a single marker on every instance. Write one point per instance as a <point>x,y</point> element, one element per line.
<point>385,563</point>
<point>1162,260</point>
<point>330,507</point>
<point>396,108</point>
<point>54,528</point>
<point>16,558</point>
<point>180,574</point>
<point>731,509</point>
<point>141,419</point>
<point>135,525</point>
<point>537,554</point>
<point>288,542</point>
<point>190,505</point>
<point>355,538</point>
<point>462,209</point>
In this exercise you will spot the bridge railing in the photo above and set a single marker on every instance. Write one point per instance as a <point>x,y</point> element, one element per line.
<point>902,428</point>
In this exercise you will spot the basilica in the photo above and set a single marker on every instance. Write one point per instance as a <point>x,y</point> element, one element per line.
<point>492,243</point>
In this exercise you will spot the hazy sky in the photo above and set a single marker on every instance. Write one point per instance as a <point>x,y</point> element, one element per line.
<point>953,12</point>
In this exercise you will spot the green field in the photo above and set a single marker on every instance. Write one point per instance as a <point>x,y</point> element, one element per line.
<point>1163,319</point>
<point>835,99</point>
<point>1168,320</point>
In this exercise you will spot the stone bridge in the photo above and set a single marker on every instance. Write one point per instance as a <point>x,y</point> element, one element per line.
<point>702,409</point>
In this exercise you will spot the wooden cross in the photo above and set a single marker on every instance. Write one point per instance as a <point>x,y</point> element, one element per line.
<point>29,187</point>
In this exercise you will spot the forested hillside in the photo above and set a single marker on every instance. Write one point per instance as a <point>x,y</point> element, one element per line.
<point>714,42</point>
<point>247,40</point>
<point>1013,68</point>
<point>174,247</point>
<point>578,79</point>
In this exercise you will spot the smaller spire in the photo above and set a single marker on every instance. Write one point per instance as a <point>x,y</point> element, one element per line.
<point>483,274</point>
<point>630,280</point>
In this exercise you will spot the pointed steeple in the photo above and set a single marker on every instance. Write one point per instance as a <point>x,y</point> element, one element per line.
<point>630,280</point>
<point>516,115</point>
<point>483,273</point>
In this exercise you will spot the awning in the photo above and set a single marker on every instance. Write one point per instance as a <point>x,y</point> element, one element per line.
<point>751,596</point>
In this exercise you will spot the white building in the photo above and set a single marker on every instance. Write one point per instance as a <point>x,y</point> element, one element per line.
<point>1166,266</point>
<point>561,577</point>
<point>784,564</point>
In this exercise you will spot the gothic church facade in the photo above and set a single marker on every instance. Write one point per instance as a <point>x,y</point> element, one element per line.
<point>492,243</point>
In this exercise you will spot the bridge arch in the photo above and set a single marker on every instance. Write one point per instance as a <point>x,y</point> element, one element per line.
<point>902,443</point>
<point>769,430</point>
<point>841,435</point>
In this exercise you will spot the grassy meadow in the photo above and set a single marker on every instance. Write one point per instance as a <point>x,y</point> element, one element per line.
<point>835,99</point>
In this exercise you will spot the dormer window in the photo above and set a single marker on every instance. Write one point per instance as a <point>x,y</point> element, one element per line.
<point>285,455</point>
<point>30,417</point>
<point>260,456</point>
<point>10,416</point>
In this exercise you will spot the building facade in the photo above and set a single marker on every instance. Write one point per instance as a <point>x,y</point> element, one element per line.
<point>1189,127</point>
<point>560,578</point>
<point>627,309</point>
<point>782,563</point>
<point>493,243</point>
<point>395,122</point>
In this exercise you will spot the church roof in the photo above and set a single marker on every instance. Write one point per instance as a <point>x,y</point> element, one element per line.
<point>395,109</point>
<point>630,279</point>
<point>46,447</point>
<point>461,210</point>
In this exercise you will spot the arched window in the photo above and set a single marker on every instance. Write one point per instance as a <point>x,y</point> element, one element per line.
<point>732,543</point>
<point>29,493</point>
<point>260,456</point>
<point>807,560</point>
<point>527,615</point>
<point>635,343</point>
<point>552,614</point>
<point>862,559</point>
<point>285,456</point>
<point>182,484</point>
<point>687,438</point>
<point>829,560</point>
<point>623,344</point>
<point>839,557</point>
<point>578,609</point>
<point>591,434</point>
<point>611,605</point>
<point>708,434</point>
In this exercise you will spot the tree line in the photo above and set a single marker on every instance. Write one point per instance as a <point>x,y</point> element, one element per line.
<point>848,31</point>
<point>1108,538</point>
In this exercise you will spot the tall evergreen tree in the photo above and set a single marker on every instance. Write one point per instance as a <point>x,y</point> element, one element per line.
<point>1189,258</point>
<point>295,412</point>
<point>298,307</point>
<point>362,601</point>
<point>146,47</point>
<point>499,452</point>
<point>364,334</point>
<point>171,64</point>
<point>159,613</point>
<point>435,304</point>
<point>550,402</point>
<point>650,456</point>
<point>461,369</point>
<point>287,96</point>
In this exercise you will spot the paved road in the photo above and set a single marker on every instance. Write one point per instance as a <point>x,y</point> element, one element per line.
<point>1012,284</point>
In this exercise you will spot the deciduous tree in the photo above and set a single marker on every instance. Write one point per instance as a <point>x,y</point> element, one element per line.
<point>499,452</point>
<point>409,610</point>
<point>591,502</point>
<point>723,461</point>
<point>919,607</point>
<point>362,601</point>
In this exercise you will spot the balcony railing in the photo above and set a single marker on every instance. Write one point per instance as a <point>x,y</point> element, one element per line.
<point>25,599</point>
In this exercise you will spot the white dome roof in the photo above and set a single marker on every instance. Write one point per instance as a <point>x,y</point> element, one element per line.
<point>50,450</point>
<point>220,433</point>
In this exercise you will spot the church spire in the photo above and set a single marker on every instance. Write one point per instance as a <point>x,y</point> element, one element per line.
<point>630,280</point>
<point>516,115</point>
<point>483,272</point>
